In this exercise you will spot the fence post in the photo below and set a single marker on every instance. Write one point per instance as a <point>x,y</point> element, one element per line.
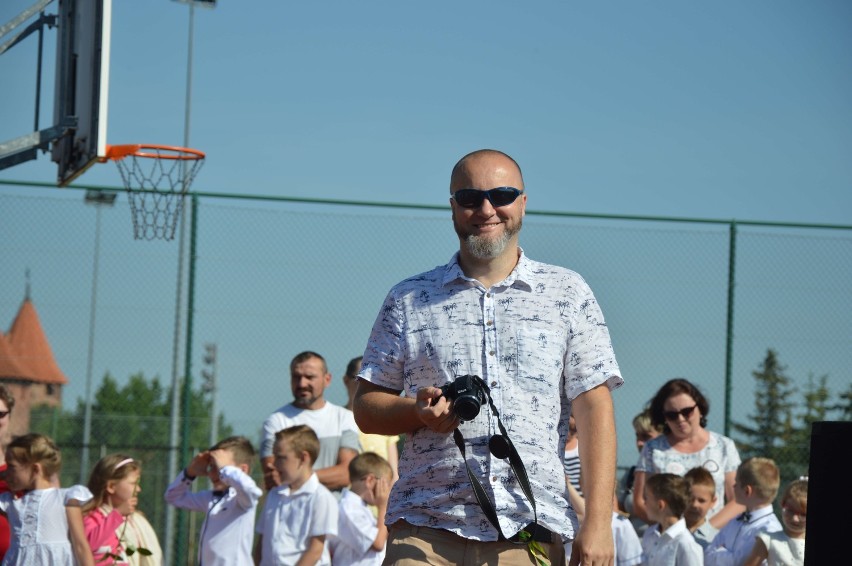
<point>729,333</point>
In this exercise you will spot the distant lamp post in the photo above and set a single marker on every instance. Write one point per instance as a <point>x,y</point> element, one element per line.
<point>98,199</point>
<point>208,372</point>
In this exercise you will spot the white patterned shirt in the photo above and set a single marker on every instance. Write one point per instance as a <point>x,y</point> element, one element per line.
<point>538,339</point>
<point>718,457</point>
<point>673,547</point>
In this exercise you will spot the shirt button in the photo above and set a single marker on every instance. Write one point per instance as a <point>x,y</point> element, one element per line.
<point>491,353</point>
<point>493,384</point>
<point>487,295</point>
<point>490,322</point>
<point>494,479</point>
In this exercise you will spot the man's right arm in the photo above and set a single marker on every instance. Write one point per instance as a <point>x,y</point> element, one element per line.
<point>379,410</point>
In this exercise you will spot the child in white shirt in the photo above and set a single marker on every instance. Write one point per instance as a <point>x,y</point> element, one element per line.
<point>361,537</point>
<point>702,498</point>
<point>228,529</point>
<point>300,514</point>
<point>787,547</point>
<point>756,487</point>
<point>669,542</point>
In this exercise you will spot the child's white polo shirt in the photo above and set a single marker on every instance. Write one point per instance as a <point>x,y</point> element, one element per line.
<point>672,547</point>
<point>356,531</point>
<point>289,520</point>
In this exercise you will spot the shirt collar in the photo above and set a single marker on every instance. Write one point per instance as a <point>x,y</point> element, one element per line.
<point>676,529</point>
<point>520,277</point>
<point>308,487</point>
<point>760,513</point>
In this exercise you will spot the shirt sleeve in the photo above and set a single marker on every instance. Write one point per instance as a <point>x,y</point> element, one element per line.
<point>384,357</point>
<point>248,493</point>
<point>267,434</point>
<point>645,463</point>
<point>717,552</point>
<point>732,455</point>
<point>77,495</point>
<point>180,494</point>
<point>324,516</point>
<point>689,553</point>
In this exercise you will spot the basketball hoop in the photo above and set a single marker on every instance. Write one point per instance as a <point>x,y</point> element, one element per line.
<point>156,178</point>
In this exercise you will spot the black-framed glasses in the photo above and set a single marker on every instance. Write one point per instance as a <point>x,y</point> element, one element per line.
<point>4,414</point>
<point>685,413</point>
<point>473,198</point>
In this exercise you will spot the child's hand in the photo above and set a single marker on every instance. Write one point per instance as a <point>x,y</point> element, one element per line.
<point>381,492</point>
<point>198,466</point>
<point>219,458</point>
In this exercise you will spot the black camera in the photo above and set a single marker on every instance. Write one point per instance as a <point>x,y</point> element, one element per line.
<point>468,394</point>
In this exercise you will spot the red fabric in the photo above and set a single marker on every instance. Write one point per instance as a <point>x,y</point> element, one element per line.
<point>5,533</point>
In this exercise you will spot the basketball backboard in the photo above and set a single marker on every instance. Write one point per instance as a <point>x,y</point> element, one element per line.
<point>77,136</point>
<point>82,85</point>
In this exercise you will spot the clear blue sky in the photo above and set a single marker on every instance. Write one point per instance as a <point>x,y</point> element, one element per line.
<point>721,109</point>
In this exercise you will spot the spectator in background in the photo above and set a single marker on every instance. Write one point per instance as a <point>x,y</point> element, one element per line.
<point>7,402</point>
<point>384,446</point>
<point>334,425</point>
<point>669,542</point>
<point>571,461</point>
<point>681,409</point>
<point>702,498</point>
<point>645,431</point>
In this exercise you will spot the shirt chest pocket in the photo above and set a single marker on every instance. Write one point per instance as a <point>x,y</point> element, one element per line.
<point>537,359</point>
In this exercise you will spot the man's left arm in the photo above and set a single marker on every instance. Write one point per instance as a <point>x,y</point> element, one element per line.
<point>337,476</point>
<point>594,415</point>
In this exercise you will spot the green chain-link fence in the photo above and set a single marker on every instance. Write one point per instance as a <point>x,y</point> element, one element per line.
<point>273,277</point>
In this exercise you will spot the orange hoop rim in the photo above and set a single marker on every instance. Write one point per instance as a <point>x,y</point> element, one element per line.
<point>151,150</point>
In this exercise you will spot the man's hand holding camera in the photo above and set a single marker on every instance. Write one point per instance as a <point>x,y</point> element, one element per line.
<point>435,411</point>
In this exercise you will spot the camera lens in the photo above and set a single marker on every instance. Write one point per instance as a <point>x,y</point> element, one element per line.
<point>466,407</point>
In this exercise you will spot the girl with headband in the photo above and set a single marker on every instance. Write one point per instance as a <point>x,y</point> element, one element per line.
<point>115,485</point>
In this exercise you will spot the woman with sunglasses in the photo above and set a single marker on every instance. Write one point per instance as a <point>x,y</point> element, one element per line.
<point>681,410</point>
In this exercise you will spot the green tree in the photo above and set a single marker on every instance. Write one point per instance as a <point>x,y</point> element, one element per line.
<point>771,426</point>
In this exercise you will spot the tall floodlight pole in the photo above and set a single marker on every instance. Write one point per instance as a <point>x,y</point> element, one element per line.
<point>98,199</point>
<point>174,428</point>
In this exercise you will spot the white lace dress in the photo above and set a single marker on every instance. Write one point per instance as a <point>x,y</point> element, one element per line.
<point>39,525</point>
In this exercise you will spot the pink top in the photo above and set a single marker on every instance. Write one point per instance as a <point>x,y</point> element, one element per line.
<point>101,532</point>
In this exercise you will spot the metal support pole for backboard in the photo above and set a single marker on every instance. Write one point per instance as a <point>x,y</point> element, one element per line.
<point>729,334</point>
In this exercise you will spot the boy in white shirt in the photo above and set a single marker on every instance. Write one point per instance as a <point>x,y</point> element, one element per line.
<point>361,537</point>
<point>228,528</point>
<point>669,542</point>
<point>702,498</point>
<point>756,487</point>
<point>300,514</point>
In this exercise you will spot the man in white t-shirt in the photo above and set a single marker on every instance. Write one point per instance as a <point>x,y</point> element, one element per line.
<point>334,425</point>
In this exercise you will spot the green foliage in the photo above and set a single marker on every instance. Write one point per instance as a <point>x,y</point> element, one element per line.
<point>775,430</point>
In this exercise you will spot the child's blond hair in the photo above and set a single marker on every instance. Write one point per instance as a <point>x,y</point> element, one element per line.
<point>672,489</point>
<point>369,463</point>
<point>301,438</point>
<point>642,423</point>
<point>796,490</point>
<point>239,446</point>
<point>37,449</point>
<point>762,474</point>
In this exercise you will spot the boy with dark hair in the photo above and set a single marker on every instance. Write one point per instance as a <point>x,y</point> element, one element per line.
<point>756,487</point>
<point>702,498</point>
<point>228,528</point>
<point>669,542</point>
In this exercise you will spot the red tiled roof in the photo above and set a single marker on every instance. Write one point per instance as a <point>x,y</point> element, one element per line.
<point>30,348</point>
<point>10,365</point>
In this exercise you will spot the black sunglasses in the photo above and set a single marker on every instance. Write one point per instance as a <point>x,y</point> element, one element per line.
<point>473,198</point>
<point>672,415</point>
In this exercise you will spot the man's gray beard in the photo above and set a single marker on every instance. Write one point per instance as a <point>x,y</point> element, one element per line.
<point>482,247</point>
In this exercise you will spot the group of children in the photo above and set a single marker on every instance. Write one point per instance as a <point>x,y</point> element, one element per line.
<point>301,522</point>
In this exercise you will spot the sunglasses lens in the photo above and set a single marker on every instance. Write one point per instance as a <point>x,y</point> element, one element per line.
<point>503,196</point>
<point>469,198</point>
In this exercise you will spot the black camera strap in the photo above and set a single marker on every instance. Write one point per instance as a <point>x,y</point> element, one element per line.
<point>500,447</point>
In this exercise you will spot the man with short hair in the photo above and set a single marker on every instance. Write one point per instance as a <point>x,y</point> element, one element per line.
<point>334,425</point>
<point>536,337</point>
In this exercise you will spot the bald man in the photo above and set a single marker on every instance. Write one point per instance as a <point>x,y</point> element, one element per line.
<point>535,338</point>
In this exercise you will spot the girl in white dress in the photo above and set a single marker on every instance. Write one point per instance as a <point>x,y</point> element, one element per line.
<point>46,521</point>
<point>787,547</point>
